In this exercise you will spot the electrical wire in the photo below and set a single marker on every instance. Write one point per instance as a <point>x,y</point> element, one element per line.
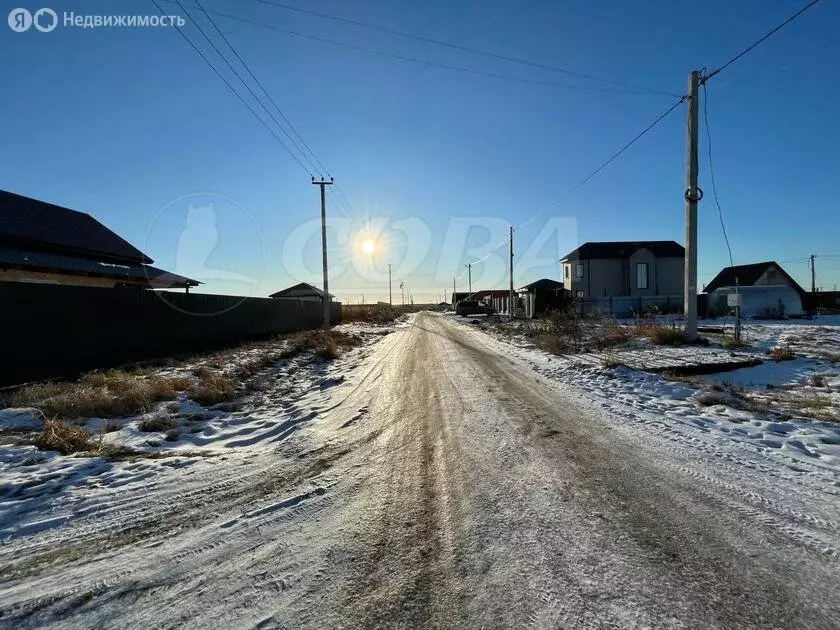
<point>237,94</point>
<point>461,47</point>
<point>311,168</point>
<point>761,39</point>
<point>424,62</point>
<point>588,177</point>
<point>712,172</point>
<point>265,92</point>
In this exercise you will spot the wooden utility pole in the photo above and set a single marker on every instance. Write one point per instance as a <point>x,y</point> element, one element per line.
<point>402,292</point>
<point>390,298</point>
<point>511,308</point>
<point>813,274</point>
<point>453,292</point>
<point>469,275</point>
<point>692,196</point>
<point>323,183</point>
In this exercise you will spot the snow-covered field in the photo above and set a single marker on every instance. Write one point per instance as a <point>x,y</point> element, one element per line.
<point>44,489</point>
<point>786,431</point>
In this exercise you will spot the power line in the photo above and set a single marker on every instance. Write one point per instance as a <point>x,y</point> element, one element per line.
<point>264,91</point>
<point>425,62</point>
<point>586,179</point>
<point>760,40</point>
<point>461,47</point>
<point>231,88</point>
<point>620,151</point>
<point>712,172</point>
<point>312,168</point>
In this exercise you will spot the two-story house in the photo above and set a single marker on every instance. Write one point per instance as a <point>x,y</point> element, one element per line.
<point>625,269</point>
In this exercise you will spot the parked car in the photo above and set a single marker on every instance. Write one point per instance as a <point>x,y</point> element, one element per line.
<point>473,307</point>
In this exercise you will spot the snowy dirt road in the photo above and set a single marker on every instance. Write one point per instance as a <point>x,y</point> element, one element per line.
<point>446,484</point>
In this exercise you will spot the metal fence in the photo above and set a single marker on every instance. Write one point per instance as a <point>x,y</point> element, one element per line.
<point>630,306</point>
<point>51,330</point>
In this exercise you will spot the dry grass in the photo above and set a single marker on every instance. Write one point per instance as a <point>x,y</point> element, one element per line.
<point>734,343</point>
<point>708,399</point>
<point>818,380</point>
<point>65,438</point>
<point>326,344</point>
<point>662,335</point>
<point>782,353</point>
<point>157,422</point>
<point>213,389</point>
<point>372,314</point>
<point>101,394</point>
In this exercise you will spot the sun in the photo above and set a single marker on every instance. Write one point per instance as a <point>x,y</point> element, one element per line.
<point>368,246</point>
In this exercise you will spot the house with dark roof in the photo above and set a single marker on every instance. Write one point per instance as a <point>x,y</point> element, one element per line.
<point>625,269</point>
<point>765,287</point>
<point>754,275</point>
<point>302,291</point>
<point>46,243</point>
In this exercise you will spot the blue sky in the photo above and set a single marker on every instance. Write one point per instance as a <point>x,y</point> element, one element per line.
<point>130,125</point>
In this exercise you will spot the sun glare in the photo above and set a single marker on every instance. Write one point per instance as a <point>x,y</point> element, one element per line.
<point>368,246</point>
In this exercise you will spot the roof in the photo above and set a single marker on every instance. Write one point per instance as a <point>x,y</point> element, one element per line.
<point>74,265</point>
<point>27,223</point>
<point>748,275</point>
<point>303,289</point>
<point>544,284</point>
<point>625,249</point>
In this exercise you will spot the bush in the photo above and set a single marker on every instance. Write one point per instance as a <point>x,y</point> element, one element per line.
<point>64,438</point>
<point>734,343</point>
<point>818,380</point>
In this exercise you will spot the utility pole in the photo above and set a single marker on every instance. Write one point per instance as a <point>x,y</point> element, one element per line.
<point>692,195</point>
<point>402,292</point>
<point>511,308</point>
<point>323,183</point>
<point>390,298</point>
<point>813,274</point>
<point>469,273</point>
<point>453,292</point>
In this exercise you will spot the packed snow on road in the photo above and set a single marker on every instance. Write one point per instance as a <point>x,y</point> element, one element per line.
<point>441,474</point>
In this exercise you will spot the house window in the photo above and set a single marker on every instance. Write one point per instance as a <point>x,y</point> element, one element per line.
<point>641,275</point>
<point>579,270</point>
<point>568,270</point>
<point>579,294</point>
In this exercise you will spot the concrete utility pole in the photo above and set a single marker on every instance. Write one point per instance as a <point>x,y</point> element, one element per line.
<point>469,274</point>
<point>402,292</point>
<point>323,183</point>
<point>692,195</point>
<point>813,274</point>
<point>390,298</point>
<point>510,294</point>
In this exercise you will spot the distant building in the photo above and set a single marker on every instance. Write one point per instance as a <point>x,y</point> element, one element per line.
<point>625,269</point>
<point>45,243</point>
<point>766,288</point>
<point>754,275</point>
<point>541,296</point>
<point>302,291</point>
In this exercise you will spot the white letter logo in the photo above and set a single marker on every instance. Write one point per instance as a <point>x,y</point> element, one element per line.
<point>20,20</point>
